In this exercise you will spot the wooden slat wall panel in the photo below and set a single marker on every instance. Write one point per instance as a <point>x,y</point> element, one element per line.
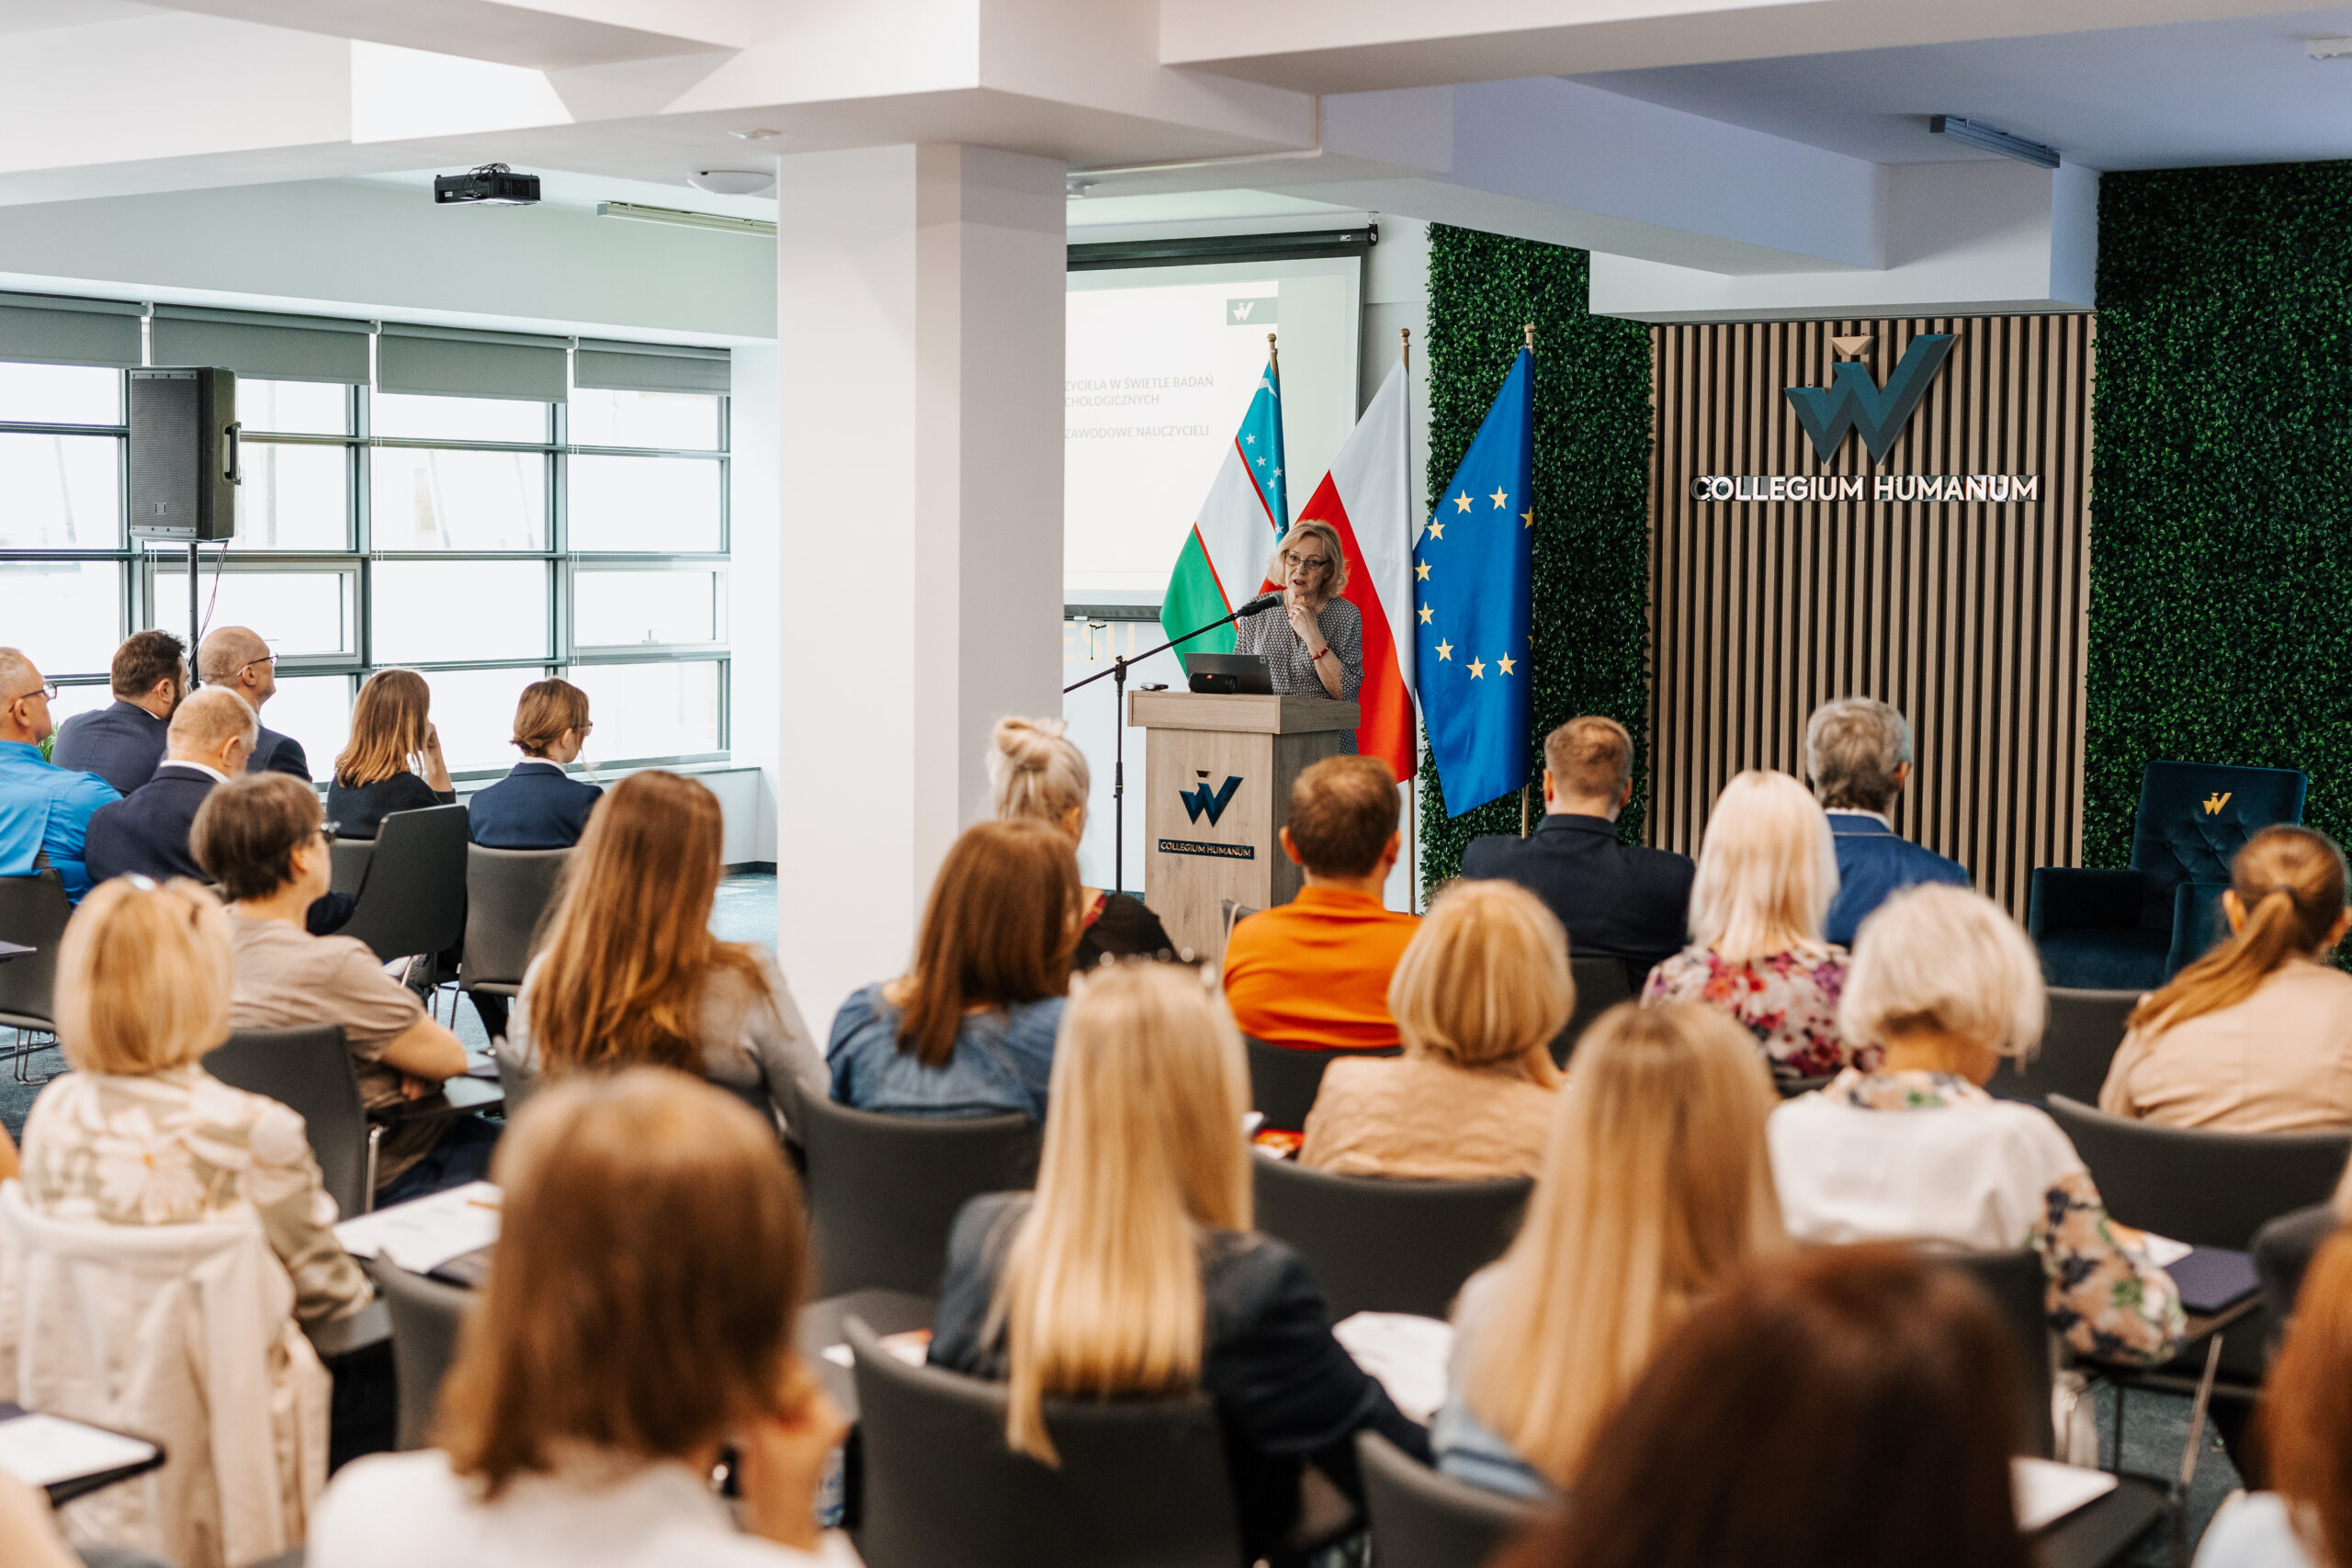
<point>1969,617</point>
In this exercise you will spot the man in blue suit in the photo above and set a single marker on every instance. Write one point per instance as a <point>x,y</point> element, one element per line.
<point>1859,752</point>
<point>122,743</point>
<point>237,658</point>
<point>146,831</point>
<point>1617,900</point>
<point>44,810</point>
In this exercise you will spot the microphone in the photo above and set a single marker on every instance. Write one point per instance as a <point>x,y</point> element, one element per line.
<point>1263,602</point>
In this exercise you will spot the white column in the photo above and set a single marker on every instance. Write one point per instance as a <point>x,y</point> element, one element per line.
<point>919,327</point>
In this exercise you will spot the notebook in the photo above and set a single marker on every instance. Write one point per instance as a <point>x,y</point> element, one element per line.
<point>2212,1277</point>
<point>69,1459</point>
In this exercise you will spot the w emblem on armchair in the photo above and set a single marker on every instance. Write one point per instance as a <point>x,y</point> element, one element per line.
<point>2213,803</point>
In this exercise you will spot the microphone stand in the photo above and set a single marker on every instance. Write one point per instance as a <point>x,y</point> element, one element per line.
<point>1119,674</point>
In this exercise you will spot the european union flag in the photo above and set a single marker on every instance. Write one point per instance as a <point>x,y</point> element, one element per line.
<point>1472,570</point>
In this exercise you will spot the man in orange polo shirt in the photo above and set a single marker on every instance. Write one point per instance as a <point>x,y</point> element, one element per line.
<point>1313,974</point>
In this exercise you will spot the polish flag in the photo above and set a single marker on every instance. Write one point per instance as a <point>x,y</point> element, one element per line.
<point>1366,497</point>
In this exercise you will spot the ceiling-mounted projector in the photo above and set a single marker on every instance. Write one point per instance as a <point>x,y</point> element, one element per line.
<point>493,183</point>
<point>731,182</point>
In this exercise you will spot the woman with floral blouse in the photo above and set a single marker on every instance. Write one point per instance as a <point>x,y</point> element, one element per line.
<point>1768,874</point>
<point>139,1133</point>
<point>1912,1148</point>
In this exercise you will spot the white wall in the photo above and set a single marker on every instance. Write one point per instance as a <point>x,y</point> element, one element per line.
<point>754,608</point>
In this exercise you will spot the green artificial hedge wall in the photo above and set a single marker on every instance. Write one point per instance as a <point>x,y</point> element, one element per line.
<point>1592,451</point>
<point>2221,620</point>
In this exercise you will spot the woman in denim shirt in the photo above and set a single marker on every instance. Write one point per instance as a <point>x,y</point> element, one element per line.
<point>969,1031</point>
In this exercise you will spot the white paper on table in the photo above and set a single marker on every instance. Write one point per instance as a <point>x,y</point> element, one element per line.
<point>2160,1250</point>
<point>912,1346</point>
<point>40,1450</point>
<point>426,1232</point>
<point>2046,1490</point>
<point>1406,1354</point>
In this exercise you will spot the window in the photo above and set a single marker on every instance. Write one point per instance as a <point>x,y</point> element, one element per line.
<point>486,541</point>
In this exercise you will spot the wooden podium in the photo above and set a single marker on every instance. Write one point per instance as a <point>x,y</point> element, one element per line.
<point>1216,787</point>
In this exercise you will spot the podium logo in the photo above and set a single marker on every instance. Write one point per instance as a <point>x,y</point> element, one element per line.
<point>1199,799</point>
<point>1853,402</point>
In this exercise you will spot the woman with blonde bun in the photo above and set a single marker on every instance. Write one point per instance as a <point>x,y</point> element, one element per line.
<point>1482,989</point>
<point>2257,1035</point>
<point>1037,775</point>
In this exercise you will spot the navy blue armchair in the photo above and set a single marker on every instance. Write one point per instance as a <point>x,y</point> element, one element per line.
<point>2115,930</point>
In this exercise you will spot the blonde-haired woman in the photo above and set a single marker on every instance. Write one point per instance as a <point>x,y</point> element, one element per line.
<point>637,1322</point>
<point>1657,1185</point>
<point>1482,989</point>
<point>139,1133</point>
<point>1315,647</point>
<point>1945,980</point>
<point>392,739</point>
<point>1133,1269</point>
<point>1768,874</point>
<point>1037,775</point>
<point>2257,1035</point>
<point>628,974</point>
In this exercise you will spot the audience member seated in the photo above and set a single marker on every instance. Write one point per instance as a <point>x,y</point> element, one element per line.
<point>1951,985</point>
<point>537,805</point>
<point>1766,873</point>
<point>260,836</point>
<point>1835,1409</point>
<point>146,831</point>
<point>2257,1035</point>
<point>1037,775</point>
<point>1616,900</point>
<point>1313,974</point>
<point>235,658</point>
<point>2305,1518</point>
<point>123,741</point>
<point>1133,1270</point>
<point>635,1325</point>
<point>139,1133</point>
<point>392,733</point>
<point>627,973</point>
<point>1480,993</point>
<point>969,1031</point>
<point>1657,1185</point>
<point>45,811</point>
<point>1859,752</point>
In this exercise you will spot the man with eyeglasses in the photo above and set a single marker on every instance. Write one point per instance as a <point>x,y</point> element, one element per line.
<point>235,658</point>
<point>45,811</point>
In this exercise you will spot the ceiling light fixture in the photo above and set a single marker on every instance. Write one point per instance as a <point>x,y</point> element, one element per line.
<point>1077,189</point>
<point>2327,48</point>
<point>761,134</point>
<point>685,220</point>
<point>1978,134</point>
<point>731,182</point>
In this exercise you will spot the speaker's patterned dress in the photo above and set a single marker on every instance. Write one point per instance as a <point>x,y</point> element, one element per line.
<point>1293,669</point>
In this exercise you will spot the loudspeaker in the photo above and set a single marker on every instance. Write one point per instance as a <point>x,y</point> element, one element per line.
<point>184,470</point>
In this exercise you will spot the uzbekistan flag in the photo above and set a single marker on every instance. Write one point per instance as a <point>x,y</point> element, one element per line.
<point>1225,556</point>
<point>1367,497</point>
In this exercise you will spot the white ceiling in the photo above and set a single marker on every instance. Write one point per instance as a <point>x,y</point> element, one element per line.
<point>2241,91</point>
<point>38,16</point>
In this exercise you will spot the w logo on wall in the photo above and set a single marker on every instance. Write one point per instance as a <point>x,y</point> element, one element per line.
<point>1199,799</point>
<point>1853,402</point>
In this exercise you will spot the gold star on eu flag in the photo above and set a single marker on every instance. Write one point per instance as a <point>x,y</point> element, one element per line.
<point>1426,614</point>
<point>1437,530</point>
<point>1422,571</point>
<point>1502,665</point>
<point>1498,498</point>
<point>1462,501</point>
<point>1444,649</point>
<point>1477,670</point>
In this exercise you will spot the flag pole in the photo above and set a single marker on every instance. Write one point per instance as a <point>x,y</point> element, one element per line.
<point>1413,780</point>
<point>1274,360</point>
<point>1522,788</point>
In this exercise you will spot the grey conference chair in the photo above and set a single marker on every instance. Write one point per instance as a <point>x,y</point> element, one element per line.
<point>348,863</point>
<point>309,1070</point>
<point>506,892</point>
<point>1283,1082</point>
<point>2077,1044</point>
<point>1789,1089</point>
<point>33,912</point>
<point>414,899</point>
<point>426,1317</point>
<point>1142,1483</point>
<point>2018,1286</point>
<point>1382,1246</point>
<point>1424,1519</point>
<point>1601,983</point>
<point>2195,1185</point>
<point>884,1190</point>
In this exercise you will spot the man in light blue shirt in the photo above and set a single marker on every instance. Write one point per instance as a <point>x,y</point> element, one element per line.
<point>1859,752</point>
<point>44,811</point>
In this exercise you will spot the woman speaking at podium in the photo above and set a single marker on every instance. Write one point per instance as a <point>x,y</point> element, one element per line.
<point>1315,647</point>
